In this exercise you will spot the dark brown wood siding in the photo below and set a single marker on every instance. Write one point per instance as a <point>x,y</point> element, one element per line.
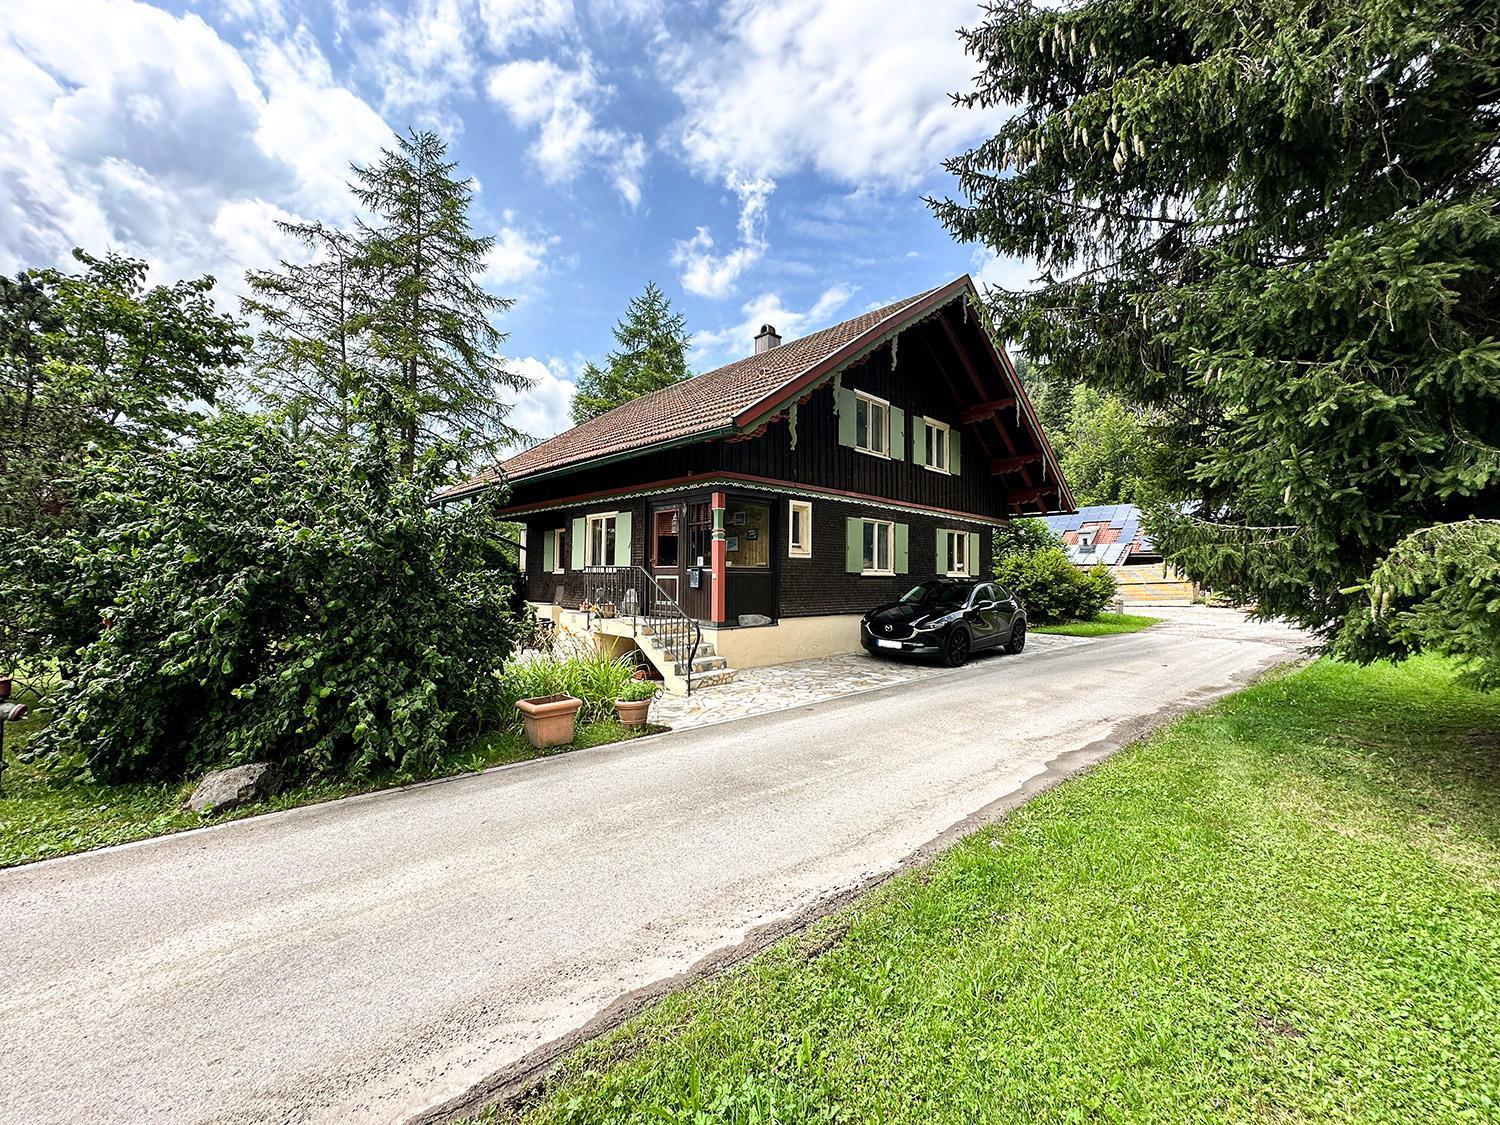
<point>922,383</point>
<point>801,587</point>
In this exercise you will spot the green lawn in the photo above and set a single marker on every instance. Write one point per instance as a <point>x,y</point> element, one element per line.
<point>1105,625</point>
<point>1284,908</point>
<point>43,816</point>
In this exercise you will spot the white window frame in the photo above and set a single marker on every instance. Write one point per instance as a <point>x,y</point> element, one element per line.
<point>593,537</point>
<point>795,550</point>
<point>559,562</point>
<point>931,424</point>
<point>872,401</point>
<point>958,543</point>
<point>890,547</point>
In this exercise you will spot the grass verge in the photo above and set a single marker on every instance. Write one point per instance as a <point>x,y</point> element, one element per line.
<point>1281,908</point>
<point>43,816</point>
<point>1105,625</point>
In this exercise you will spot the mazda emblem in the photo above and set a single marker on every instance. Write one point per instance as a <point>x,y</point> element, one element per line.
<point>888,628</point>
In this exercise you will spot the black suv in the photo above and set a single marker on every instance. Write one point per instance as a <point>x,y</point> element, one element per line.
<point>951,617</point>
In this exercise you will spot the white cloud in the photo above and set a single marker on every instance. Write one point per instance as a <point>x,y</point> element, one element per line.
<point>1008,273</point>
<point>857,90</point>
<point>709,274</point>
<point>422,52</point>
<point>133,129</point>
<point>561,105</point>
<point>545,407</point>
<point>516,258</point>
<point>738,340</point>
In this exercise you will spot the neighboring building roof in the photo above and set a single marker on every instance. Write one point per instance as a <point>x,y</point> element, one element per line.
<point>1117,534</point>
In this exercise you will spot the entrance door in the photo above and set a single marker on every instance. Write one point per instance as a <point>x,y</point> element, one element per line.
<point>666,549</point>
<point>698,563</point>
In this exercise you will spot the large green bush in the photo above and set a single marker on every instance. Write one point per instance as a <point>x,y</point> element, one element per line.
<point>252,598</point>
<point>1053,589</point>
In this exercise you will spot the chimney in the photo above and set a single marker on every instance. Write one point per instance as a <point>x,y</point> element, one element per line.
<point>766,339</point>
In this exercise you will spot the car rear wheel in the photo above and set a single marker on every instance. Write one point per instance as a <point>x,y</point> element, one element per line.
<point>1017,638</point>
<point>956,651</point>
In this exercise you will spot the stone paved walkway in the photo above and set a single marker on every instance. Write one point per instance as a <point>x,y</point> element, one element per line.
<point>756,691</point>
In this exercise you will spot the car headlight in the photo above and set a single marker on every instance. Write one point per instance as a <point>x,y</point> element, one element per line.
<point>935,623</point>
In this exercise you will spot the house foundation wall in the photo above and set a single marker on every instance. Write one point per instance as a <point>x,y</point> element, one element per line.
<point>791,638</point>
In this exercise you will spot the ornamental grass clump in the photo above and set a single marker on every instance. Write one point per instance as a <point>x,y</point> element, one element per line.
<point>253,598</point>
<point>586,673</point>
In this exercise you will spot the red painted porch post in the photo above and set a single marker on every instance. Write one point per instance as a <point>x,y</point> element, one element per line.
<point>717,599</point>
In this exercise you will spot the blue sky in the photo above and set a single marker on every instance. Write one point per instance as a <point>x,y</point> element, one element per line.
<point>761,160</point>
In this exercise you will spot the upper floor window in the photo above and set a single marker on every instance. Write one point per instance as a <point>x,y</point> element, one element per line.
<point>799,529</point>
<point>872,424</point>
<point>601,540</point>
<point>937,445</point>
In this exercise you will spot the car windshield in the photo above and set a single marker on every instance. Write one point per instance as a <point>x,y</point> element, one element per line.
<point>937,595</point>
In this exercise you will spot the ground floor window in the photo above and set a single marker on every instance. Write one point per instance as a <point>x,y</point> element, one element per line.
<point>747,531</point>
<point>799,529</point>
<point>601,540</point>
<point>876,545</point>
<point>552,550</point>
<point>954,557</point>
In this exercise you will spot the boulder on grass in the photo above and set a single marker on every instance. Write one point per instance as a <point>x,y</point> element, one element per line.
<point>228,789</point>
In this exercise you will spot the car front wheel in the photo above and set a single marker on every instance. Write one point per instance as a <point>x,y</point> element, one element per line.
<point>956,651</point>
<point>1017,638</point>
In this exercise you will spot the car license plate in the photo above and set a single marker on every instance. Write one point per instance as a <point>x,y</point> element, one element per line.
<point>888,644</point>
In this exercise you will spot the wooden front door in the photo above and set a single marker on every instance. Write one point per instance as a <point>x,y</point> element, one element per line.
<point>666,548</point>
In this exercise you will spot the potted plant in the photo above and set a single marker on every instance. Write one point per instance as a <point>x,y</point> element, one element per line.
<point>549,719</point>
<point>606,609</point>
<point>634,703</point>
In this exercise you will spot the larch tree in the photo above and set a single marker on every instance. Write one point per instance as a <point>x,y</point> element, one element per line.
<point>1276,226</point>
<point>651,353</point>
<point>312,356</point>
<point>431,321</point>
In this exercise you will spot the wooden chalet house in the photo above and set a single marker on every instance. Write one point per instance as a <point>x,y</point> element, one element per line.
<point>752,514</point>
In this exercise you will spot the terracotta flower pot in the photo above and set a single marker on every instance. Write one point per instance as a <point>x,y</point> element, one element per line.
<point>632,712</point>
<point>549,719</point>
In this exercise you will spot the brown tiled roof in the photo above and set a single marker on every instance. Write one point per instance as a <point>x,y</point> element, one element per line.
<point>702,404</point>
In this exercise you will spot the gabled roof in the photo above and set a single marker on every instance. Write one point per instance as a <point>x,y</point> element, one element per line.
<point>727,400</point>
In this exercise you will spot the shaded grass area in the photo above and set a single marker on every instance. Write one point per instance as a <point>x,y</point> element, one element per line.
<point>43,815</point>
<point>1283,908</point>
<point>1106,624</point>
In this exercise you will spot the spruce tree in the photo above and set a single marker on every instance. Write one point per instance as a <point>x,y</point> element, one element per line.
<point>651,353</point>
<point>431,322</point>
<point>1277,226</point>
<point>313,355</point>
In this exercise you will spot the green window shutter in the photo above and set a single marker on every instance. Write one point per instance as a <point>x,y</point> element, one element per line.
<point>898,434</point>
<point>845,402</point>
<point>974,552</point>
<point>549,563</point>
<point>941,566</point>
<point>955,462</point>
<point>854,551</point>
<point>622,539</point>
<point>898,564</point>
<point>578,534</point>
<point>918,441</point>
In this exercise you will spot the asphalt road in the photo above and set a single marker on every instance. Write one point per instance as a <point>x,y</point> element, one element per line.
<point>374,958</point>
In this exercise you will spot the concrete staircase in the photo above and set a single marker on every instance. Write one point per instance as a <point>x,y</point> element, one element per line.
<point>671,660</point>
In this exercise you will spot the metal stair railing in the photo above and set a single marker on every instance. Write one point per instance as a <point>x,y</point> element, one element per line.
<point>620,592</point>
